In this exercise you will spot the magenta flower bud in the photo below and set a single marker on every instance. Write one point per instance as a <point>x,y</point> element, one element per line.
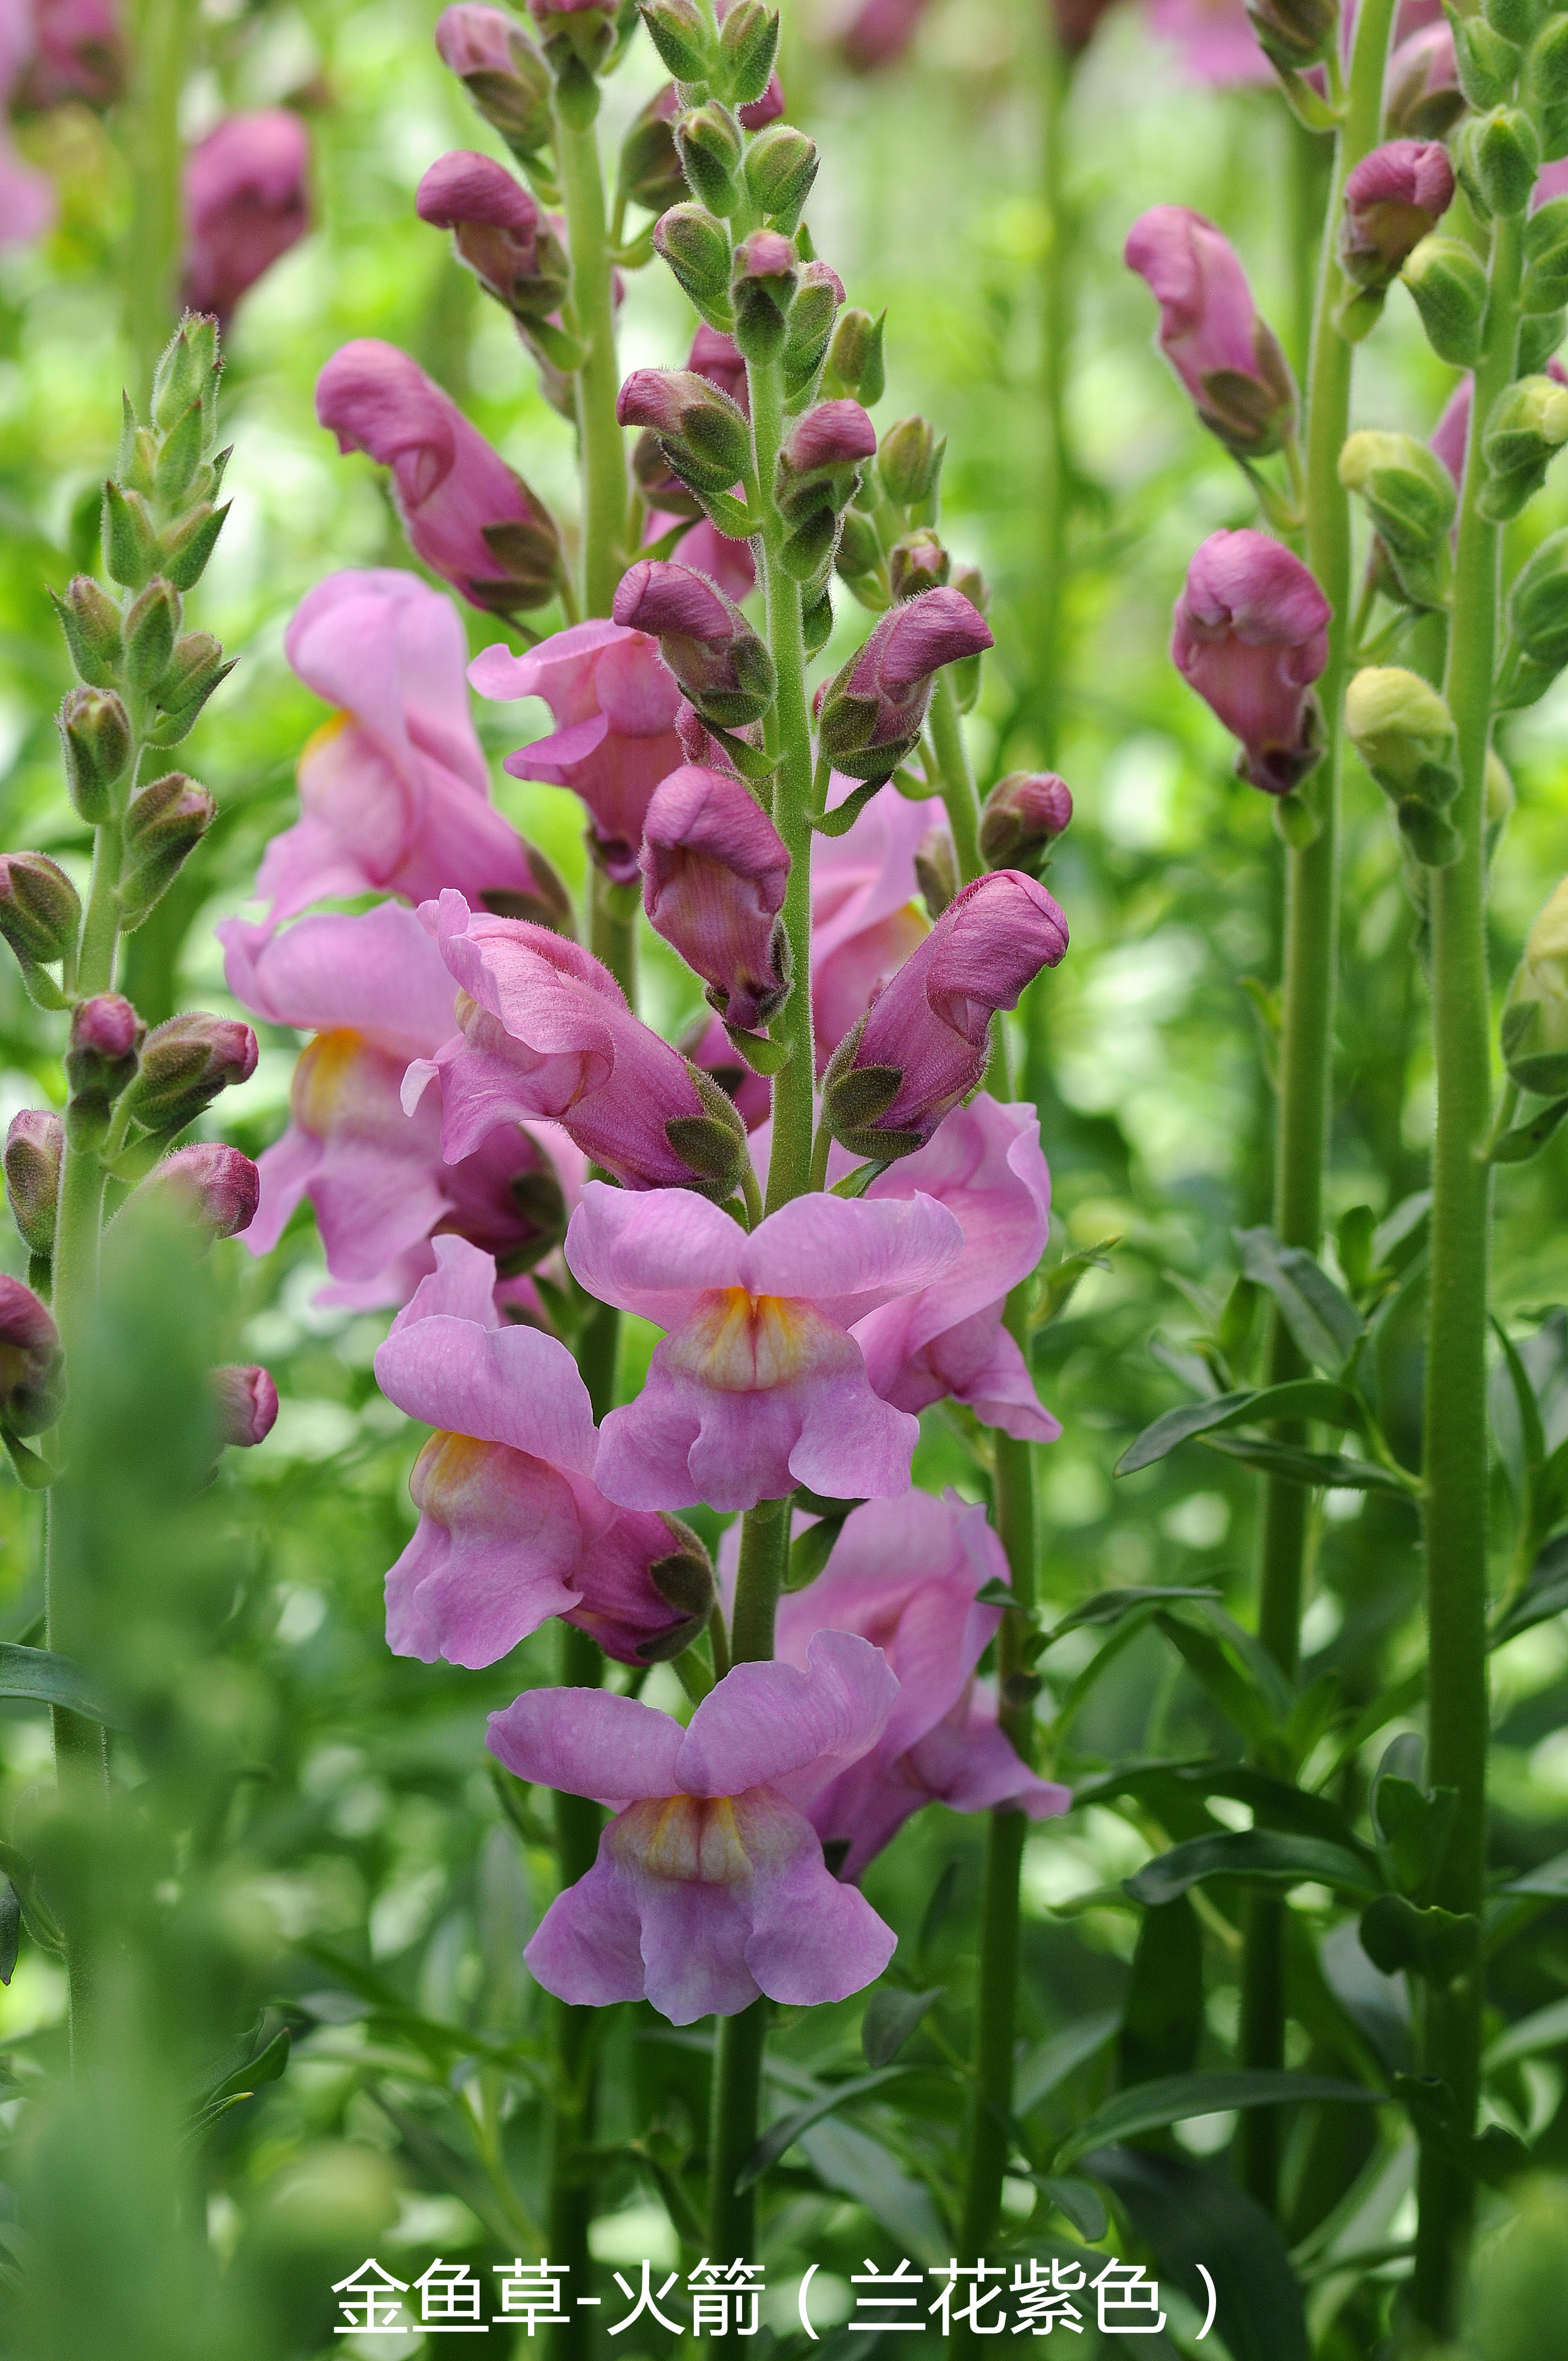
<point>105,1036</point>
<point>879,33</point>
<point>1250,636</point>
<point>35,1145</point>
<point>215,1187</point>
<point>714,872</point>
<point>503,72</point>
<point>719,359</point>
<point>246,202</point>
<point>871,715</point>
<point>185,1065</point>
<point>467,514</point>
<point>764,276</point>
<point>702,433</point>
<point>29,1361</point>
<point>724,668</point>
<point>497,231</point>
<point>830,439</point>
<point>1228,358</point>
<point>246,1402</point>
<point>1391,200</point>
<point>78,53</point>
<point>1422,97</point>
<point>1023,816</point>
<point>760,112</point>
<point>924,1044</point>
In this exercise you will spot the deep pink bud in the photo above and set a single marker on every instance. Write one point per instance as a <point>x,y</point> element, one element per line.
<point>1250,636</point>
<point>467,514</point>
<point>759,112</point>
<point>473,39</point>
<point>1227,357</point>
<point>185,1065</point>
<point>871,715</point>
<point>1391,200</point>
<point>723,667</point>
<point>880,32</point>
<point>829,434</point>
<point>246,202</point>
<point>29,1361</point>
<point>924,1043</point>
<point>106,1035</point>
<point>1024,815</point>
<point>719,358</point>
<point>714,872</point>
<point>246,1404</point>
<point>105,1028</point>
<point>1422,97</point>
<point>767,254</point>
<point>702,433</point>
<point>503,72</point>
<point>77,54</point>
<point>217,1187</point>
<point>498,231</point>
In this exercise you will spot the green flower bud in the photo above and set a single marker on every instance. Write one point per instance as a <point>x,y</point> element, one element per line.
<point>35,1147</point>
<point>1293,32</point>
<point>151,621</point>
<point>1514,19</point>
<point>130,542</point>
<point>1499,158</point>
<point>90,622</point>
<point>1537,646</point>
<point>1541,333</point>
<point>910,458</point>
<point>748,44</point>
<point>1411,498</point>
<point>762,290</point>
<point>1527,428</point>
<point>1449,286</point>
<point>185,1065</point>
<point>781,165</point>
<point>96,732</point>
<point>697,248</point>
<point>1545,287</point>
<point>680,33</point>
<point>710,143</point>
<point>917,562</point>
<point>165,822</point>
<point>817,621</point>
<point>860,546</point>
<point>1404,733</point>
<point>1548,67</point>
<point>1488,64</point>
<point>1535,1014</point>
<point>41,913</point>
<point>187,371</point>
<point>184,549</point>
<point>817,297</point>
<point>650,173</point>
<point>854,364</point>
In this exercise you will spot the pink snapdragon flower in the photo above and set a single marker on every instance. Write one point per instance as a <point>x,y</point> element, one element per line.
<point>1215,39</point>
<point>376,994</point>
<point>984,1164</point>
<point>614,739</point>
<point>1392,199</point>
<point>247,202</point>
<point>714,874</point>
<point>79,54</point>
<point>903,1574</point>
<point>1250,636</point>
<point>469,516</point>
<point>394,791</point>
<point>545,1031</point>
<point>511,1528</point>
<point>758,1385</point>
<point>28,200</point>
<point>866,912</point>
<point>1224,351</point>
<point>709,1887</point>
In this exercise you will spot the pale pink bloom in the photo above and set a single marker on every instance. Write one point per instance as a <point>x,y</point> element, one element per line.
<point>246,202</point>
<point>984,1164</point>
<point>758,1385</point>
<point>614,738</point>
<point>394,790</point>
<point>28,200</point>
<point>376,994</point>
<point>1551,181</point>
<point>1216,41</point>
<point>79,54</point>
<point>866,911</point>
<point>1250,636</point>
<point>714,874</point>
<point>903,1574</point>
<point>709,1887</point>
<point>511,1528</point>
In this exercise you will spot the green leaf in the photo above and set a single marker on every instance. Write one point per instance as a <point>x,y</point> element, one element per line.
<point>1059,1282</point>
<point>1260,1856</point>
<point>856,1183</point>
<point>1400,1238</point>
<point>38,1673</point>
<point>1110,1606</point>
<point>1414,1828</point>
<point>891,2018</point>
<point>42,1926</point>
<point>1551,1492</point>
<point>1324,1322</point>
<point>1319,1398</point>
<point>783,2134</point>
<point>269,2065</point>
<point>1494,2157</point>
<point>1253,1711</point>
<point>935,1911</point>
<point>761,1053</point>
<point>10,1931</point>
<point>842,818</point>
<point>1401,1939</point>
<point>1328,1469</point>
<point>1551,1879</point>
<point>1524,1140</point>
<point>848,2159</point>
<point>1275,1802</point>
<point>1546,2030</point>
<point>1151,2106</point>
<point>1047,2067</point>
<point>810,1551</point>
<point>1162,2008</point>
<point>1078,2200</point>
<point>1533,1437</point>
<point>1185,2216</point>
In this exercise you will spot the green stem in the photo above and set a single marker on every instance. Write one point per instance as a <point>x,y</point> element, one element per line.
<point>1056,339</point>
<point>737,2087</point>
<point>601,444</point>
<point>1454,1440</point>
<point>151,261</point>
<point>1312,918</point>
<point>961,798</point>
<point>574,2102</point>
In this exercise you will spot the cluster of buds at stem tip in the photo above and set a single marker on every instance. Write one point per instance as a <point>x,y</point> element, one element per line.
<point>1537,645</point>
<point>185,1065</point>
<point>1393,199</point>
<point>1524,430</point>
<point>733,61</point>
<point>508,80</point>
<point>722,664</point>
<point>31,1394</point>
<point>34,1149</point>
<point>580,38</point>
<point>1535,1014</point>
<point>818,475</point>
<point>1404,733</point>
<point>1250,634</point>
<point>1020,819</point>
<point>714,873</point>
<point>1409,498</point>
<point>1224,353</point>
<point>106,1035</point>
<point>871,714</point>
<point>40,917</point>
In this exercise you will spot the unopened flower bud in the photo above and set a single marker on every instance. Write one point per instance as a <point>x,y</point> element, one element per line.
<point>578,37</point>
<point>1485,63</point>
<point>762,288</point>
<point>871,713</point>
<point>859,553</point>
<point>1410,500</point>
<point>917,562</point>
<point>1422,97</point>
<point>1020,819</point>
<point>196,667</point>
<point>30,1389</point>
<point>35,1146</point>
<point>811,316</point>
<point>1224,353</point>
<point>41,913</point>
<point>818,470</point>
<point>96,733</point>
<point>936,869</point>
<point>105,1038</point>
<point>1448,283</point>
<point>1535,1014</point>
<point>246,1404</point>
<point>185,1065</point>
<point>710,143</point>
<point>1537,645</point>
<point>187,372</point>
<point>924,1043</point>
<point>714,873</point>
<point>1250,635</point>
<point>164,823</point>
<point>90,622</point>
<point>184,547</point>
<point>1545,287</point>
<point>680,33</point>
<point>1527,427</point>
<point>214,1186</point>
<point>503,73</point>
<point>1392,199</point>
<point>697,248</point>
<point>1541,334</point>
<point>649,173</point>
<point>130,537</point>
<point>1499,156</point>
<point>854,364</point>
<point>724,668</point>
<point>910,460</point>
<point>781,166</point>
<point>151,621</point>
<point>701,432</point>
<point>1293,32</point>
<point>748,44</point>
<point>1549,60</point>
<point>1404,733</point>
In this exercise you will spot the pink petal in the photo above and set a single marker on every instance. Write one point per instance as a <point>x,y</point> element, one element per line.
<point>461,1285</point>
<point>380,975</point>
<point>503,1385</point>
<point>496,1552</point>
<point>588,1742</point>
<point>694,1939</point>
<point>766,1722</point>
<point>967,1763</point>
<point>651,1253</point>
<point>847,1255</point>
<point>285,1169</point>
<point>814,1939</point>
<point>588,1945</point>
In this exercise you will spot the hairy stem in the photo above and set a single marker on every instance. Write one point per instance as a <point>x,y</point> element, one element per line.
<point>601,446</point>
<point>151,260</point>
<point>956,778</point>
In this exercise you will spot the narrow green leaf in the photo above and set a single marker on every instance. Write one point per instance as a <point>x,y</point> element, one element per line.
<point>1531,1434</point>
<point>1255,1715</point>
<point>783,2134</point>
<point>889,2019</point>
<point>1324,1322</point>
<point>10,1931</point>
<point>38,1673</point>
<point>1150,2106</point>
<point>856,1183</point>
<point>810,1551</point>
<point>1162,2009</point>
<point>1328,1469</point>
<point>1303,1397</point>
<point>842,818</point>
<point>1187,2215</point>
<point>1401,1939</point>
<point>1260,1856</point>
<point>935,1911</point>
<point>1544,1595</point>
<point>1527,1139</point>
<point>1078,2200</point>
<point>1046,2068</point>
<point>1110,1606</point>
<point>1547,2028</point>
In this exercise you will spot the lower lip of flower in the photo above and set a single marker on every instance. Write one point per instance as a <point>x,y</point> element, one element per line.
<point>745,1343</point>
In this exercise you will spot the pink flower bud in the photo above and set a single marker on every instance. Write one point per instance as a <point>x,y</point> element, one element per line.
<point>217,1187</point>
<point>1227,357</point>
<point>723,668</point>
<point>246,202</point>
<point>498,231</point>
<point>78,53</point>
<point>870,716</point>
<point>924,1043</point>
<point>1250,636</point>
<point>714,872</point>
<point>1391,200</point>
<point>828,437</point>
<point>106,1035</point>
<point>767,254</point>
<point>246,1402</point>
<point>702,432</point>
<point>880,32</point>
<point>1024,815</point>
<point>185,1065</point>
<point>718,359</point>
<point>472,520</point>
<point>29,1361</point>
<point>1422,97</point>
<point>760,112</point>
<point>504,74</point>
<point>35,1146</point>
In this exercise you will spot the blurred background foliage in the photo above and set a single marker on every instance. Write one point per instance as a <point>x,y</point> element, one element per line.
<point>328,1852</point>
